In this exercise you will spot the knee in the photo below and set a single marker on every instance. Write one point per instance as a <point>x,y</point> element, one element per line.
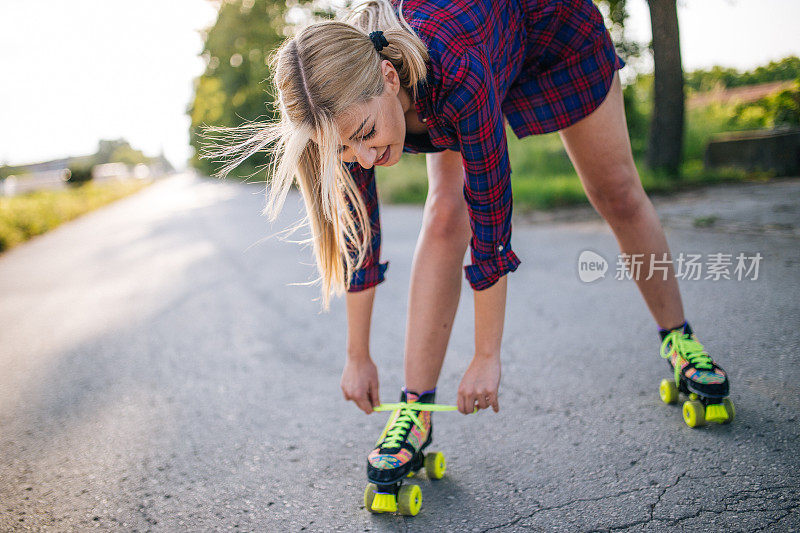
<point>447,219</point>
<point>620,198</point>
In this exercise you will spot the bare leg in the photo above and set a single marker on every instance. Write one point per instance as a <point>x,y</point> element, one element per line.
<point>600,151</point>
<point>436,271</point>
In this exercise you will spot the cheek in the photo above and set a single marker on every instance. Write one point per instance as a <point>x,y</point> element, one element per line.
<point>398,127</point>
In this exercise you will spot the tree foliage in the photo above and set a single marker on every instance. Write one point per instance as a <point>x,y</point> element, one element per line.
<point>615,13</point>
<point>786,69</point>
<point>108,151</point>
<point>779,109</point>
<point>234,87</point>
<point>118,151</point>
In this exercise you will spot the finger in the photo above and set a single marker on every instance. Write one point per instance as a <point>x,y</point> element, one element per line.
<point>469,408</point>
<point>495,403</point>
<point>473,406</point>
<point>483,402</point>
<point>364,405</point>
<point>476,403</point>
<point>374,394</point>
<point>462,404</point>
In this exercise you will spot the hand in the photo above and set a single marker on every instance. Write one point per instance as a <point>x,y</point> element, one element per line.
<point>479,385</point>
<point>360,383</point>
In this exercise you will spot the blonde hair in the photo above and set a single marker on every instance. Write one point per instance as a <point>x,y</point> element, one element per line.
<point>325,70</point>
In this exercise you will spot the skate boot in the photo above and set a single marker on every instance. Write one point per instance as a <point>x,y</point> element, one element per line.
<point>399,454</point>
<point>696,375</point>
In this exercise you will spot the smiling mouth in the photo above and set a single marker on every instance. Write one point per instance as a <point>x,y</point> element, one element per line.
<point>384,157</point>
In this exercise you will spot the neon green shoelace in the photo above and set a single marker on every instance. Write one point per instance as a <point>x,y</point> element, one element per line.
<point>394,432</point>
<point>689,349</point>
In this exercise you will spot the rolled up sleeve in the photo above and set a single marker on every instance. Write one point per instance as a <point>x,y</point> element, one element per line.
<point>474,109</point>
<point>372,271</point>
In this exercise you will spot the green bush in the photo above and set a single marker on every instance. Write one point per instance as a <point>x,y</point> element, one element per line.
<point>28,215</point>
<point>787,68</point>
<point>79,173</point>
<point>637,115</point>
<point>6,171</point>
<point>771,111</point>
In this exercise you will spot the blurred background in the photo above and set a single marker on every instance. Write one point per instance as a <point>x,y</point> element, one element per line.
<point>98,90</point>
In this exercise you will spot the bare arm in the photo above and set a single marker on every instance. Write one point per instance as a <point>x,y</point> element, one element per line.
<point>360,375</point>
<point>481,381</point>
<point>359,316</point>
<point>490,312</point>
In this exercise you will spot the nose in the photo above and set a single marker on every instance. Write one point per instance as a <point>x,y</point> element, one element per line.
<point>365,156</point>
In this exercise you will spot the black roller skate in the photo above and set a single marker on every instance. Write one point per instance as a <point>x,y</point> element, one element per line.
<point>399,453</point>
<point>697,376</point>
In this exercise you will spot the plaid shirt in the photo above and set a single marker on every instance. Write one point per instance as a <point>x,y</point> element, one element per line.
<point>540,64</point>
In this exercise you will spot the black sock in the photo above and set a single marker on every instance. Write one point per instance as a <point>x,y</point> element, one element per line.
<point>685,327</point>
<point>406,392</point>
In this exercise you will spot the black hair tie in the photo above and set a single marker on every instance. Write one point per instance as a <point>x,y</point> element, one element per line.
<point>378,40</point>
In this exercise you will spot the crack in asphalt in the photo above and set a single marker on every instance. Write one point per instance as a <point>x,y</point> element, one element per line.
<point>742,494</point>
<point>676,521</point>
<point>767,527</point>
<point>701,510</point>
<point>653,506</point>
<point>515,520</point>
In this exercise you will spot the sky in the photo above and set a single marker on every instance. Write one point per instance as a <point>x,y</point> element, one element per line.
<point>77,71</point>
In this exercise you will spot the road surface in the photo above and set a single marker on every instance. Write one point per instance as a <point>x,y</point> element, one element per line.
<point>160,372</point>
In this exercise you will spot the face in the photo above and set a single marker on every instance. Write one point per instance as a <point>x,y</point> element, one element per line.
<point>373,133</point>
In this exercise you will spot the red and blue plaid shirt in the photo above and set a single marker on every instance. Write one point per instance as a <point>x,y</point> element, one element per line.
<point>541,64</point>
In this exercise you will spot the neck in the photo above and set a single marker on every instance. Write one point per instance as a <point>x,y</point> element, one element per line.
<point>405,100</point>
<point>413,124</point>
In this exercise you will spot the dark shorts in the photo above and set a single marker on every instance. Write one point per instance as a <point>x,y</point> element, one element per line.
<point>568,70</point>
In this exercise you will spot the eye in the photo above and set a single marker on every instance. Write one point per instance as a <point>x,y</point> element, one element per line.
<point>369,135</point>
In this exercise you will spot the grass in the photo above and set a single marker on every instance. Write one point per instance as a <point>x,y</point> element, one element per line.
<point>705,222</point>
<point>25,216</point>
<point>543,177</point>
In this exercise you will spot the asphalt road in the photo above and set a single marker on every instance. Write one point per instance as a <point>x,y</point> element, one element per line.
<point>159,372</point>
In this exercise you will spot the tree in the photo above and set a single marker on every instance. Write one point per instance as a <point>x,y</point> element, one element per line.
<point>667,120</point>
<point>667,123</point>
<point>118,151</point>
<point>233,88</point>
<point>786,69</point>
<point>615,14</point>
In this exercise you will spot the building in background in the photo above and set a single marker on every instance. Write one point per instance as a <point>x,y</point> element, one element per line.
<point>113,160</point>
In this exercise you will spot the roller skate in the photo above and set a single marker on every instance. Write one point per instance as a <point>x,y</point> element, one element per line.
<point>399,454</point>
<point>697,376</point>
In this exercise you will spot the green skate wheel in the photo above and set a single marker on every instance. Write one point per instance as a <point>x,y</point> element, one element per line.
<point>694,414</point>
<point>369,497</point>
<point>409,500</point>
<point>729,409</point>
<point>668,391</point>
<point>435,465</point>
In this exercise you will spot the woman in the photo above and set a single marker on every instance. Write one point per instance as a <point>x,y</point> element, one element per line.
<point>443,77</point>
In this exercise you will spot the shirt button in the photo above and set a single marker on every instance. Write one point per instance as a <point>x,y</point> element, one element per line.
<point>424,120</point>
<point>500,248</point>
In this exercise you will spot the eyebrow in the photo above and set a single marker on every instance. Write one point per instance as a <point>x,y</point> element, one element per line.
<point>359,128</point>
